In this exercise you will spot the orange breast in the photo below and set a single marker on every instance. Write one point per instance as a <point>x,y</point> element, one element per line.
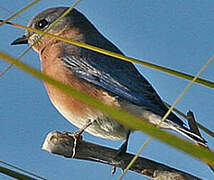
<point>75,111</point>
<point>54,67</point>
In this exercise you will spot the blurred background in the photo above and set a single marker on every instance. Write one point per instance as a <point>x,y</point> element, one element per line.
<point>174,34</point>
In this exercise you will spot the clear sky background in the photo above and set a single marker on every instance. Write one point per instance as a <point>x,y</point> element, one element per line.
<point>175,34</point>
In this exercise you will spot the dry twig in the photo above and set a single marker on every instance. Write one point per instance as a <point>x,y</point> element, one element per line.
<point>63,144</point>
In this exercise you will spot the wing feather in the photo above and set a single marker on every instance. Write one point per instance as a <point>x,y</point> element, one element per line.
<point>119,78</point>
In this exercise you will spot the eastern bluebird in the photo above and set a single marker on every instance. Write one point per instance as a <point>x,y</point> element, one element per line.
<point>112,81</point>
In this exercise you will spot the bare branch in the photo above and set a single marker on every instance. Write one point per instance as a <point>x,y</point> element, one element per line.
<point>63,144</point>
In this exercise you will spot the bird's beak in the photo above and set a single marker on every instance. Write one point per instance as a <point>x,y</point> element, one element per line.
<point>21,40</point>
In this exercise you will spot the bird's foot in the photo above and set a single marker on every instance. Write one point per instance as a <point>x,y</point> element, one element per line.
<point>114,169</point>
<point>121,151</point>
<point>77,136</point>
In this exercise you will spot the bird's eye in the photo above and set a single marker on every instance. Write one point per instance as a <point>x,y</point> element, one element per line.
<point>42,24</point>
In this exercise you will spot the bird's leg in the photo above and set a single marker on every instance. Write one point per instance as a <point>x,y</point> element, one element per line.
<point>78,136</point>
<point>121,151</point>
<point>123,147</point>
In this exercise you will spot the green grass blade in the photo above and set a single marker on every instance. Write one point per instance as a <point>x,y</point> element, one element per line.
<point>123,117</point>
<point>203,128</point>
<point>14,174</point>
<point>206,130</point>
<point>201,81</point>
<point>19,12</point>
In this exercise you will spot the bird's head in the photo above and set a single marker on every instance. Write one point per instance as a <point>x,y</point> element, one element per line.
<point>71,26</point>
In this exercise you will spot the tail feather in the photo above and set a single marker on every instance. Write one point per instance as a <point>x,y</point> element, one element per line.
<point>190,135</point>
<point>194,137</point>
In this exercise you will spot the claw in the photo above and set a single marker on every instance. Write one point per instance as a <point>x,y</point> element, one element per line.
<point>77,136</point>
<point>114,169</point>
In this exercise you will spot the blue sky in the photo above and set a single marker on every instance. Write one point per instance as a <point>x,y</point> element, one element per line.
<point>175,34</point>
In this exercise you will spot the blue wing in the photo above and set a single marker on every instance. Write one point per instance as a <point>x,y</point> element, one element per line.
<point>119,78</point>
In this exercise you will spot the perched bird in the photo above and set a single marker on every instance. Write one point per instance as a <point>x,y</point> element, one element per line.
<point>112,81</point>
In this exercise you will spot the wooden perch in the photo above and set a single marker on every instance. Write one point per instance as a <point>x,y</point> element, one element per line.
<point>66,145</point>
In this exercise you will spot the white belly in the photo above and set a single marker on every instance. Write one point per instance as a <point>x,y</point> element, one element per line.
<point>102,126</point>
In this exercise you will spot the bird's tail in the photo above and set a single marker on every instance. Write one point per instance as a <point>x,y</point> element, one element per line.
<point>194,137</point>
<point>190,135</point>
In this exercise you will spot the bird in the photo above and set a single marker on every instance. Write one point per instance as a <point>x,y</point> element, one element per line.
<point>112,81</point>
